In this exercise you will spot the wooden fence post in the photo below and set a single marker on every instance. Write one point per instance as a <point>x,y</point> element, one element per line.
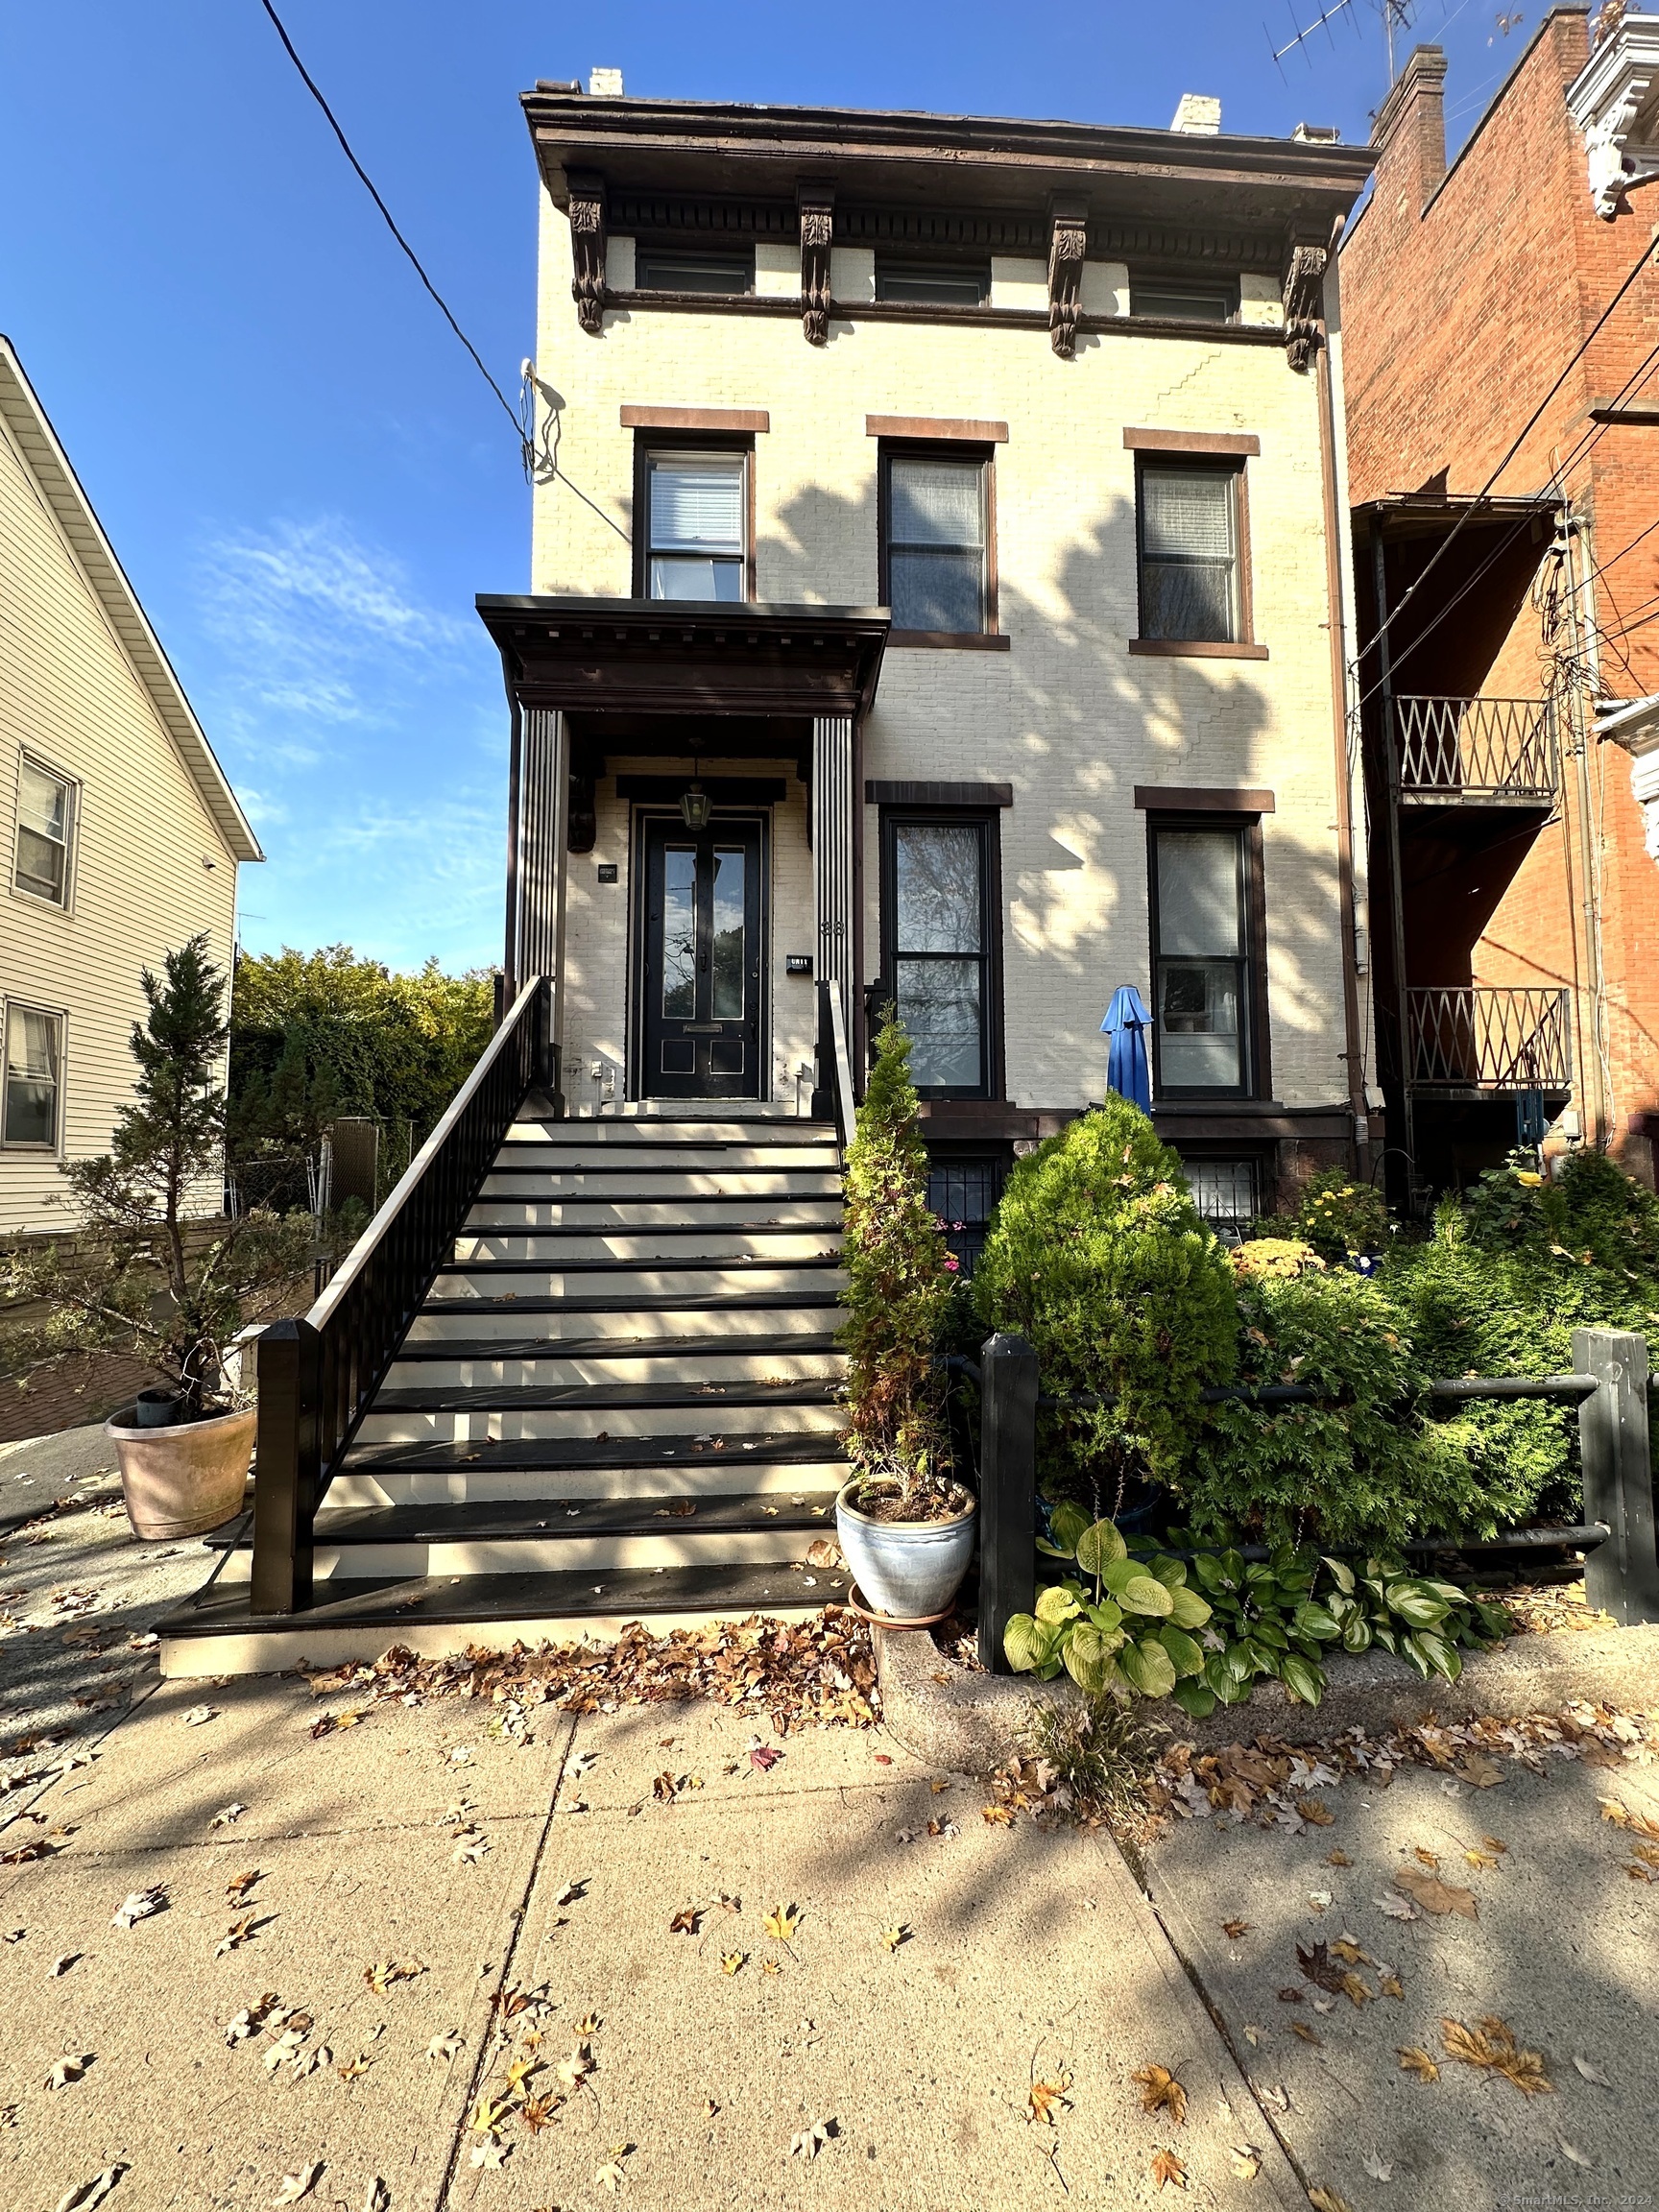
<point>285,1465</point>
<point>1007,1491</point>
<point>1622,1576</point>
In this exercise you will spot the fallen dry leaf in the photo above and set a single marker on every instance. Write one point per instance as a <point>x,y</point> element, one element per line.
<point>446,2046</point>
<point>1314,1813</point>
<point>1622,1816</point>
<point>1302,2029</point>
<point>893,1937</point>
<point>199,1715</point>
<point>1434,1896</point>
<point>1591,2073</point>
<point>1397,1907</point>
<point>1412,2061</point>
<point>782,1922</point>
<point>140,1905</point>
<point>574,2070</point>
<point>69,2068</point>
<point>87,2193</point>
<point>1424,1857</point>
<point>1392,1986</point>
<point>1233,1929</point>
<point>1338,1859</point>
<point>299,2184</point>
<point>61,1966</point>
<point>352,2069</point>
<point>685,1922</point>
<point>379,2196</point>
<point>1168,2170</point>
<point>1044,2099</point>
<point>733,1962</point>
<point>610,2175</point>
<point>1494,1843</point>
<point>588,2024</point>
<point>1491,2045</point>
<point>1378,2167</point>
<point>1161,2092</point>
<point>538,2112</point>
<point>381,1976</point>
<point>812,2140</point>
<point>1246,2161</point>
<point>1570,2151</point>
<point>1357,1990</point>
<point>1478,1770</point>
<point>1317,1967</point>
<point>227,1816</point>
<point>1327,2201</point>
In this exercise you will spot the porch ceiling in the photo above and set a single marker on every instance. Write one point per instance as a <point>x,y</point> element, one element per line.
<point>604,657</point>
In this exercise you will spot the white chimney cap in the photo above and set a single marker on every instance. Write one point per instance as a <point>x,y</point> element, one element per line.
<point>1316,134</point>
<point>1199,115</point>
<point>605,83</point>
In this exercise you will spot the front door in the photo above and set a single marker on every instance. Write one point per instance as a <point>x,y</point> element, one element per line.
<point>701,962</point>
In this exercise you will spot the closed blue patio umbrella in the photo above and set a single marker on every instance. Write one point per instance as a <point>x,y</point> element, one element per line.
<point>1128,1070</point>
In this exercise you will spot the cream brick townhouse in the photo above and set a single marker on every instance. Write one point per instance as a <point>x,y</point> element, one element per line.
<point>949,507</point>
<point>119,833</point>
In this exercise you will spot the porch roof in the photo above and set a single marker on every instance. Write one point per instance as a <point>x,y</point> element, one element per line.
<point>685,657</point>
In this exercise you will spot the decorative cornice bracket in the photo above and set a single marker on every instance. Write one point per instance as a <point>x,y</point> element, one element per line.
<point>817,205</point>
<point>1304,304</point>
<point>1068,245</point>
<point>1611,102</point>
<point>588,231</point>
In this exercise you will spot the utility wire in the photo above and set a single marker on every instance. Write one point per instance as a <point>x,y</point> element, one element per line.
<point>521,430</point>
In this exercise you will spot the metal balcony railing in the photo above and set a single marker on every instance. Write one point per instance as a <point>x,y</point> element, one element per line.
<point>1476,749</point>
<point>1490,1038</point>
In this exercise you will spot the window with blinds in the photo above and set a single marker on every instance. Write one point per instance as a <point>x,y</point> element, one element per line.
<point>697,510</point>
<point>935,553</point>
<point>1201,960</point>
<point>33,1072</point>
<point>45,813</point>
<point>1187,523</point>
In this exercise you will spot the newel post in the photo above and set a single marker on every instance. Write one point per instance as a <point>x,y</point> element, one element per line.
<point>823,1103</point>
<point>1622,1576</point>
<point>285,1466</point>
<point>1007,1491</point>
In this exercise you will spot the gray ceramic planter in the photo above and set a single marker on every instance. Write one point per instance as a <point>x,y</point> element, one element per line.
<point>907,1570</point>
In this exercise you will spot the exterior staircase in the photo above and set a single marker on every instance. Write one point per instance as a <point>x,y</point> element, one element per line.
<point>618,1401</point>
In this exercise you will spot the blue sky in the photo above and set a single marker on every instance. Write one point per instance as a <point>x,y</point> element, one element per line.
<point>305,475</point>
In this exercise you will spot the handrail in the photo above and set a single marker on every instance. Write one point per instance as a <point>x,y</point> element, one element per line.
<point>318,1375</point>
<point>844,1104</point>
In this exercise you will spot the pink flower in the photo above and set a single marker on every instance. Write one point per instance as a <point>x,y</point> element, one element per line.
<point>953,1265</point>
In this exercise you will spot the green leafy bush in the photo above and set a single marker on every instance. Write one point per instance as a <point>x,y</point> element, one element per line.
<point>1360,1465</point>
<point>1098,1257</point>
<point>900,1280</point>
<point>1342,1219</point>
<point>1138,1620</point>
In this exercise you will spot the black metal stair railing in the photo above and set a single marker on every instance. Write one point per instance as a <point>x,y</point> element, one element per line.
<point>1492,749</point>
<point>318,1374</point>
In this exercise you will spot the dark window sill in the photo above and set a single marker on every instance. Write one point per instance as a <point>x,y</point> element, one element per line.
<point>1194,649</point>
<point>952,641</point>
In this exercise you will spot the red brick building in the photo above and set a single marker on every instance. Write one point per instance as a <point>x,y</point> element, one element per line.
<point>1503,449</point>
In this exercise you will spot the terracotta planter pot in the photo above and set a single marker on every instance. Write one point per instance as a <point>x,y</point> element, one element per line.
<point>183,1479</point>
<point>907,1570</point>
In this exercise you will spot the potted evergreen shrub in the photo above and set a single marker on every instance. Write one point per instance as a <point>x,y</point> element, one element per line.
<point>905,1522</point>
<point>146,1278</point>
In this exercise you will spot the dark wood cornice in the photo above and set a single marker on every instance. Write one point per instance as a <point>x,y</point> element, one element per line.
<point>1200,799</point>
<point>600,657</point>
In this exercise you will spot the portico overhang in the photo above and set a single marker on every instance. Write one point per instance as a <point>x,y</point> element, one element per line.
<point>660,657</point>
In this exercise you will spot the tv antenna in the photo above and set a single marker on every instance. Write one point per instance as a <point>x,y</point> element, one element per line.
<point>1396,16</point>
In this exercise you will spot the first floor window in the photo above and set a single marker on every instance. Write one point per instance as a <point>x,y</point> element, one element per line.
<point>940,928</point>
<point>1188,530</point>
<point>1201,960</point>
<point>33,1076</point>
<point>934,556</point>
<point>44,810</point>
<point>696,508</point>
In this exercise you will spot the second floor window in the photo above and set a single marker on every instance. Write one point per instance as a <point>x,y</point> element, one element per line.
<point>1189,532</point>
<point>697,506</point>
<point>934,553</point>
<point>1203,970</point>
<point>45,807</point>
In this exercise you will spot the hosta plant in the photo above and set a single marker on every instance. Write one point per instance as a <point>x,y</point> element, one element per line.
<point>1123,1622</point>
<point>1138,1620</point>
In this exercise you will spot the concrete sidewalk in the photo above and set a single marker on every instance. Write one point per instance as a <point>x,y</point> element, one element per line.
<point>486,1968</point>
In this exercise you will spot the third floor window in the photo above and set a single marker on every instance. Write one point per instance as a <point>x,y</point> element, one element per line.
<point>933,284</point>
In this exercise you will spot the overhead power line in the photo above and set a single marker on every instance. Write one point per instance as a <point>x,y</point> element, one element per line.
<point>522,430</point>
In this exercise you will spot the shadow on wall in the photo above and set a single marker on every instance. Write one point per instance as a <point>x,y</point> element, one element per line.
<point>1084,723</point>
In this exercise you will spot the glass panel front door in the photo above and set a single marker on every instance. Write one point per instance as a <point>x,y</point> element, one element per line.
<point>702,951</point>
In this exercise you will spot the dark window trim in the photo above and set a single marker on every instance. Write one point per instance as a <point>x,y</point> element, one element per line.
<point>889,449</point>
<point>1243,648</point>
<point>1200,799</point>
<point>649,441</point>
<point>989,821</point>
<point>879,794</point>
<point>1258,1083</point>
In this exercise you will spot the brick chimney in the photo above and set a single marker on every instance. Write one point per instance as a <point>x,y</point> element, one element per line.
<point>1410,133</point>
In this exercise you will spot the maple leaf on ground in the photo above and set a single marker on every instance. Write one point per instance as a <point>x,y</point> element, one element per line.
<point>1570,2151</point>
<point>610,2175</point>
<point>538,2112</point>
<point>733,1962</point>
<point>238,1934</point>
<point>574,2070</point>
<point>1393,1986</point>
<point>379,2196</point>
<point>893,1937</point>
<point>1491,2045</point>
<point>138,1905</point>
<point>1622,1816</point>
<point>812,2140</point>
<point>1317,1967</point>
<point>298,2184</point>
<point>199,1715</point>
<point>385,1972</point>
<point>1418,2062</point>
<point>491,2152</point>
<point>1424,1857</point>
<point>764,1756</point>
<point>1478,1770</point>
<point>227,1816</point>
<point>1044,2099</point>
<point>1357,1990</point>
<point>1233,1929</point>
<point>686,1922</point>
<point>998,1815</point>
<point>588,2024</point>
<point>1168,2170</point>
<point>1378,2167</point>
<point>446,2046</point>
<point>1434,1896</point>
<point>1338,1859</point>
<point>782,1922</point>
<point>1246,2161</point>
<point>352,2068</point>
<point>1161,2092</point>
<point>1397,1907</point>
<point>1314,1813</point>
<point>239,1884</point>
<point>69,2068</point>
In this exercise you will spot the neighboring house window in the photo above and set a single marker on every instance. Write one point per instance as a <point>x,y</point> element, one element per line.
<point>697,505</point>
<point>1227,1192</point>
<point>963,1191</point>
<point>933,284</point>
<point>1171,300</point>
<point>1188,522</point>
<point>33,1076</point>
<point>690,269</point>
<point>45,826</point>
<point>1207,959</point>
<point>935,537</point>
<point>941,909</point>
